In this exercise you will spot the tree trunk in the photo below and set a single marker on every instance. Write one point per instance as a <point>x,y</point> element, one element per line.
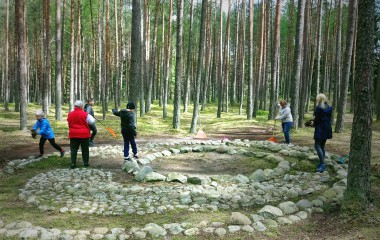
<point>72,54</point>
<point>58,62</point>
<point>20,8</point>
<point>178,68</point>
<point>47,58</point>
<point>188,61</point>
<point>6,77</point>
<point>167,63</point>
<point>297,62</point>
<point>135,52</point>
<point>275,63</point>
<point>220,62</point>
<point>357,195</point>
<point>342,104</point>
<point>199,68</point>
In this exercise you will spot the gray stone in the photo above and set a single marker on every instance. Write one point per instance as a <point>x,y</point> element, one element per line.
<point>259,226</point>
<point>176,177</point>
<point>258,176</point>
<point>175,150</point>
<point>130,166</point>
<point>220,232</point>
<point>100,230</point>
<point>29,233</point>
<point>247,228</point>
<point>198,149</point>
<point>304,204</point>
<point>174,228</point>
<point>142,161</point>
<point>166,153</point>
<point>154,230</point>
<point>154,177</point>
<point>270,212</point>
<point>192,232</point>
<point>97,236</point>
<point>270,223</point>
<point>283,221</point>
<point>222,149</point>
<point>240,178</point>
<point>239,219</point>
<point>234,228</point>
<point>288,207</point>
<point>302,215</point>
<point>140,176</point>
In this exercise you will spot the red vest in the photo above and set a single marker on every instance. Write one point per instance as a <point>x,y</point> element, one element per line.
<point>78,126</point>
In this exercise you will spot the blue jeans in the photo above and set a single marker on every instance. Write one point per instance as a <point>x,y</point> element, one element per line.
<point>286,130</point>
<point>319,146</point>
<point>128,138</point>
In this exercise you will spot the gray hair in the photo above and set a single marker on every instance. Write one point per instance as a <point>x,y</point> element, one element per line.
<point>41,113</point>
<point>78,103</point>
<point>321,100</point>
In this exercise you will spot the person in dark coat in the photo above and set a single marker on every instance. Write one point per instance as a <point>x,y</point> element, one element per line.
<point>88,108</point>
<point>322,128</point>
<point>128,129</point>
<point>79,133</point>
<point>46,133</point>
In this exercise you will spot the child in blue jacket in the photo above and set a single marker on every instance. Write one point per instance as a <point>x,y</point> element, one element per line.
<point>46,133</point>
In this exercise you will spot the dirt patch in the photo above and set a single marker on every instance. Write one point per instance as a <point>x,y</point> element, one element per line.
<point>207,164</point>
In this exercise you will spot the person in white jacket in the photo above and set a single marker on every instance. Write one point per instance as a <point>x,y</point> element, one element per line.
<point>286,118</point>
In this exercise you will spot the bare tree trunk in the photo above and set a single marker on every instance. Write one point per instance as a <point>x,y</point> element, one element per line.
<point>6,77</point>
<point>188,61</point>
<point>199,68</point>
<point>58,62</point>
<point>341,110</point>
<point>72,54</point>
<point>275,63</point>
<point>227,59</point>
<point>338,58</point>
<point>220,62</point>
<point>47,57</point>
<point>135,52</point>
<point>358,193</point>
<point>178,68</point>
<point>297,62</point>
<point>167,63</point>
<point>117,60</point>
<point>20,8</point>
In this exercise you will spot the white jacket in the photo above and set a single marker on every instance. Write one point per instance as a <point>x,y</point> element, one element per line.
<point>285,114</point>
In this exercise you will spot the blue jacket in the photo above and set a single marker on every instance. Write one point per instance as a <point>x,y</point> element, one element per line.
<point>322,123</point>
<point>45,129</point>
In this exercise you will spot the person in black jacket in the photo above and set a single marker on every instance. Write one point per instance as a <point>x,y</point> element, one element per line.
<point>88,108</point>
<point>128,129</point>
<point>323,129</point>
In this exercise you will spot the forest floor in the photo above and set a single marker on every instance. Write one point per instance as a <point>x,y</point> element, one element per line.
<point>328,225</point>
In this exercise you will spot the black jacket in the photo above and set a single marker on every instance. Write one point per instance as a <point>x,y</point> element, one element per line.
<point>127,119</point>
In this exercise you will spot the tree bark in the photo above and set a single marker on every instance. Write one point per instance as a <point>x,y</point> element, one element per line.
<point>199,69</point>
<point>58,62</point>
<point>357,195</point>
<point>178,68</point>
<point>20,8</point>
<point>297,63</point>
<point>342,104</point>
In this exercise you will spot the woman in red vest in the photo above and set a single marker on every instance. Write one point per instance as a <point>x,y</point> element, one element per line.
<point>79,133</point>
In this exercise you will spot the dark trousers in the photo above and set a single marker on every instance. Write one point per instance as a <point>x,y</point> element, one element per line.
<point>74,147</point>
<point>286,130</point>
<point>129,138</point>
<point>319,146</point>
<point>51,141</point>
<point>93,132</point>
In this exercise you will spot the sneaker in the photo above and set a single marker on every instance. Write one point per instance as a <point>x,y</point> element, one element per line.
<point>73,166</point>
<point>321,168</point>
<point>86,165</point>
<point>63,152</point>
<point>91,144</point>
<point>127,159</point>
<point>135,156</point>
<point>40,155</point>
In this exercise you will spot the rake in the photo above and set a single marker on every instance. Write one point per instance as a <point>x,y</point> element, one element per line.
<point>110,130</point>
<point>273,138</point>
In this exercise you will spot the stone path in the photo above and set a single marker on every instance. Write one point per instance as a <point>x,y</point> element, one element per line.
<point>93,191</point>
